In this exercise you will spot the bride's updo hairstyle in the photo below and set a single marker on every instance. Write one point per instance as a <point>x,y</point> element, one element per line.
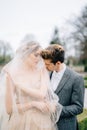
<point>26,49</point>
<point>54,53</point>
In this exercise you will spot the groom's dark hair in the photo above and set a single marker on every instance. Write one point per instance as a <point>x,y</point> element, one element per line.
<point>54,52</point>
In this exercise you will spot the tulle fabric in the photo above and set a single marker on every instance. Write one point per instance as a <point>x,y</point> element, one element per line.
<point>33,119</point>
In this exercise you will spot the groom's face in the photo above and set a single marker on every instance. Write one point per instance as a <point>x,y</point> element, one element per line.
<point>49,65</point>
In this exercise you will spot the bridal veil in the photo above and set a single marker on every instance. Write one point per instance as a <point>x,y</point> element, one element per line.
<point>9,90</point>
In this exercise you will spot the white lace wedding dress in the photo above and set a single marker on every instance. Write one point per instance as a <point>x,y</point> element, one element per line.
<point>32,119</point>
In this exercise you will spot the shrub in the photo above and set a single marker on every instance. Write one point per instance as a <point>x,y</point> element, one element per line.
<point>86,68</point>
<point>85,82</point>
<point>85,78</point>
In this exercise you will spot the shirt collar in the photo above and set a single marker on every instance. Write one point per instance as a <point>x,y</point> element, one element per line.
<point>56,74</point>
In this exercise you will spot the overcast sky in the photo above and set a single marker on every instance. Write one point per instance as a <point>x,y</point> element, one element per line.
<point>38,17</point>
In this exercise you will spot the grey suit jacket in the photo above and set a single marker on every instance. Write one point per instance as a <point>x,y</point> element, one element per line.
<point>71,96</point>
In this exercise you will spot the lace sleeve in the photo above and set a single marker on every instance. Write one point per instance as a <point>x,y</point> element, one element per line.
<point>4,115</point>
<point>55,107</point>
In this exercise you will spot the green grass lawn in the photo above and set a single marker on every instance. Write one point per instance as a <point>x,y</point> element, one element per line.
<point>82,119</point>
<point>82,116</point>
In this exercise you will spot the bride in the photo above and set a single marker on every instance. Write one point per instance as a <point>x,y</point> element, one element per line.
<point>27,101</point>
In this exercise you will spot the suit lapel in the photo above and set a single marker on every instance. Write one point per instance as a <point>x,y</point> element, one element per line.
<point>64,79</point>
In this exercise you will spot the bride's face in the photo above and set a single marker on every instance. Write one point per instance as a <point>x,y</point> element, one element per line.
<point>33,58</point>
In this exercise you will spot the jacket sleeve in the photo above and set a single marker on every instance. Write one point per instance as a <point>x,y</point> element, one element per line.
<point>77,99</point>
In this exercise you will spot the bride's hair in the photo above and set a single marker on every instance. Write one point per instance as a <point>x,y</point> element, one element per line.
<point>27,48</point>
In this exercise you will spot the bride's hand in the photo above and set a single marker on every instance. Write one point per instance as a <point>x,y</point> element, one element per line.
<point>41,105</point>
<point>8,77</point>
<point>44,107</point>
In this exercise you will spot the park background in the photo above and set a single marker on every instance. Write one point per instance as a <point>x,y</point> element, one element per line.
<point>48,22</point>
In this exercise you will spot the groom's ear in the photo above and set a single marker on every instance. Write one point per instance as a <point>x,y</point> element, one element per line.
<point>58,63</point>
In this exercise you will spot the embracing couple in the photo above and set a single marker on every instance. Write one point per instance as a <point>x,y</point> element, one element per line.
<point>33,98</point>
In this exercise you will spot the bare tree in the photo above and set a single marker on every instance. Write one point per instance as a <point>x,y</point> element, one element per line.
<point>55,37</point>
<point>79,35</point>
<point>6,52</point>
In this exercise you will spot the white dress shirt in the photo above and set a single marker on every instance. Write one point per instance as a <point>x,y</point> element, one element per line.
<point>56,77</point>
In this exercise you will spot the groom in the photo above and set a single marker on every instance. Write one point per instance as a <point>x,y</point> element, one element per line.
<point>67,84</point>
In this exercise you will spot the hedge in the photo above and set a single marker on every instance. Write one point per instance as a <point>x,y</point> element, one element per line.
<point>85,82</point>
